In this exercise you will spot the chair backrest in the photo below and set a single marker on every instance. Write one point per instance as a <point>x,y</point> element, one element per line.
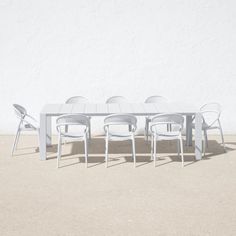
<point>121,120</point>
<point>211,113</point>
<point>213,106</point>
<point>20,111</point>
<point>159,123</point>
<point>116,99</point>
<point>156,99</point>
<point>72,120</point>
<point>77,99</point>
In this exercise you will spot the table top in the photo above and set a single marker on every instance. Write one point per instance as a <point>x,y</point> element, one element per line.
<point>101,109</point>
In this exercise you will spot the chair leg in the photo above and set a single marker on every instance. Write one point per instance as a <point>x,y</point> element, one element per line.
<point>169,127</point>
<point>58,150</point>
<point>206,138</point>
<point>133,150</point>
<point>130,128</point>
<point>90,135</point>
<point>222,136</point>
<point>181,150</point>
<point>66,130</point>
<point>38,131</point>
<point>152,141</point>
<point>155,150</point>
<point>86,150</point>
<point>15,141</point>
<point>106,151</point>
<point>146,129</point>
<point>178,145</point>
<point>204,142</point>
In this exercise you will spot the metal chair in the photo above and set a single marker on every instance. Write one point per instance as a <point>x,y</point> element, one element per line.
<point>79,99</point>
<point>159,132</point>
<point>210,120</point>
<point>116,99</point>
<point>120,120</point>
<point>81,122</point>
<point>153,99</point>
<point>27,123</point>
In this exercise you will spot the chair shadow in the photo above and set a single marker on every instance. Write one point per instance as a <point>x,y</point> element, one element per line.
<point>67,165</point>
<point>27,148</point>
<point>123,149</point>
<point>22,154</point>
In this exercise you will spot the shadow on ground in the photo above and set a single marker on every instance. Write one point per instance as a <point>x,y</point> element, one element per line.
<point>166,150</point>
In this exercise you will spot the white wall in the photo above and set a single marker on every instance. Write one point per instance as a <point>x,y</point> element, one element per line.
<point>53,49</point>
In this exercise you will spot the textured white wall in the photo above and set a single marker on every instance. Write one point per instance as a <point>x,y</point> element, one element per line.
<point>53,49</point>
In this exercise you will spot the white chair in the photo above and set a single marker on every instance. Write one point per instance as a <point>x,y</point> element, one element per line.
<point>116,99</point>
<point>210,120</point>
<point>158,132</point>
<point>79,99</point>
<point>153,99</point>
<point>122,121</point>
<point>78,132</point>
<point>27,123</point>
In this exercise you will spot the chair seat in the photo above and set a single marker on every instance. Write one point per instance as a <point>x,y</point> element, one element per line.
<point>119,135</point>
<point>168,135</point>
<point>72,135</point>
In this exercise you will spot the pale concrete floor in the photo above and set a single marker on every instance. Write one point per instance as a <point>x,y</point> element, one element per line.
<point>38,199</point>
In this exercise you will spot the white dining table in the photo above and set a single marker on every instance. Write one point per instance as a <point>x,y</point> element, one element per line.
<point>137,109</point>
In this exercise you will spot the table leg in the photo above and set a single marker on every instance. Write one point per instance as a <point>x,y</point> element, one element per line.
<point>43,137</point>
<point>49,131</point>
<point>189,134</point>
<point>198,136</point>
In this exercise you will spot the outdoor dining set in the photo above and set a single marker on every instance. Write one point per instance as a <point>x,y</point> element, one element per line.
<point>164,120</point>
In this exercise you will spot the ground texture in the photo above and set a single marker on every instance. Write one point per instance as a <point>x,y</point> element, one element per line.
<point>38,199</point>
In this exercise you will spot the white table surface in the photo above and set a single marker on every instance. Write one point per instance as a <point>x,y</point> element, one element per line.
<point>101,109</point>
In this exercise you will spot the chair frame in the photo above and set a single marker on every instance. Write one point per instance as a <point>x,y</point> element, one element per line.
<point>152,99</point>
<point>172,119</point>
<point>79,99</point>
<point>74,120</point>
<point>117,100</point>
<point>215,124</point>
<point>25,124</point>
<point>120,120</point>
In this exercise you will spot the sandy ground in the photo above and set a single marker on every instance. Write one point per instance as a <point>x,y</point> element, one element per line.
<point>38,199</point>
